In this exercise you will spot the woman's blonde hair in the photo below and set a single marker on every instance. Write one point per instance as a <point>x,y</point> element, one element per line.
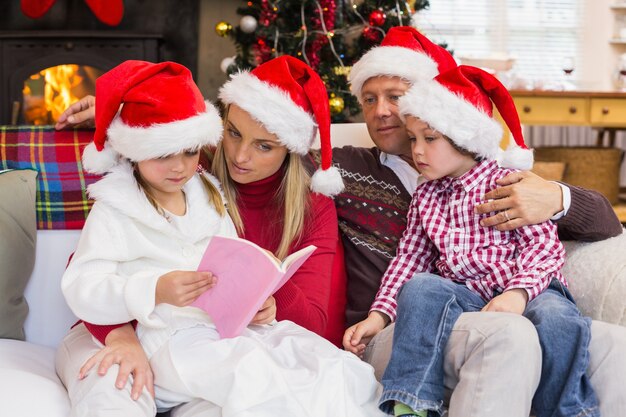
<point>293,195</point>
<point>215,197</point>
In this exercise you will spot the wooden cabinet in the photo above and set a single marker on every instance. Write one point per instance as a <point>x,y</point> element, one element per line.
<point>608,112</point>
<point>605,110</point>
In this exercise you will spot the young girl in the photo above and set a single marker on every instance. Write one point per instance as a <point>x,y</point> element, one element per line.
<point>446,263</point>
<point>140,247</point>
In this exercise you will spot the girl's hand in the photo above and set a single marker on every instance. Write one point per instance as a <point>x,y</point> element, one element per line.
<point>511,301</point>
<point>267,313</point>
<point>181,288</point>
<point>123,348</point>
<point>81,113</point>
<point>357,336</point>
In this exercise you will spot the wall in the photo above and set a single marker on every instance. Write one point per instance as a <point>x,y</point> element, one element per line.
<point>212,49</point>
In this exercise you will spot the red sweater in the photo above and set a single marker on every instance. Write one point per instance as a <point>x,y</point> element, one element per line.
<point>304,298</point>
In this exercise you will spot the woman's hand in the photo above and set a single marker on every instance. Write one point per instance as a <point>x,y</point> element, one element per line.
<point>181,288</point>
<point>357,336</point>
<point>511,301</point>
<point>267,312</point>
<point>523,198</point>
<point>81,113</point>
<point>122,347</point>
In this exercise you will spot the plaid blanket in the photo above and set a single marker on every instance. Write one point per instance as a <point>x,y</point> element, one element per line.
<point>61,188</point>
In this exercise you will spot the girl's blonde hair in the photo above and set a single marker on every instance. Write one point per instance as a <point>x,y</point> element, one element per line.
<point>215,197</point>
<point>293,195</point>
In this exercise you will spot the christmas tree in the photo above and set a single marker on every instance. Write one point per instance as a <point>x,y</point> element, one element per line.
<point>329,35</point>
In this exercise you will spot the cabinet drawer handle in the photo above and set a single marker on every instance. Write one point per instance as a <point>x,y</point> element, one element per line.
<point>573,110</point>
<point>526,109</point>
<point>605,110</point>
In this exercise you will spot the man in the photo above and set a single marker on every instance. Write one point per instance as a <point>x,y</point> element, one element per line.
<point>493,360</point>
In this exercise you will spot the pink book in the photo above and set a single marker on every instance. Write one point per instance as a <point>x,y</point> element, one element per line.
<point>246,276</point>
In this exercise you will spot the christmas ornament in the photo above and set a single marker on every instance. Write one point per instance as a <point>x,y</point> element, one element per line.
<point>223,29</point>
<point>372,35</point>
<point>336,104</point>
<point>109,12</point>
<point>226,63</point>
<point>248,24</point>
<point>377,18</point>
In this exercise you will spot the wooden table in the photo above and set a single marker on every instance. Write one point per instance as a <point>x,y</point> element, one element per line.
<point>604,110</point>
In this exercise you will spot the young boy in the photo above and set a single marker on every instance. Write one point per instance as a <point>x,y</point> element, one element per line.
<point>447,263</point>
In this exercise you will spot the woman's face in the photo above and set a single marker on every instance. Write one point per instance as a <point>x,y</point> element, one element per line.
<point>251,152</point>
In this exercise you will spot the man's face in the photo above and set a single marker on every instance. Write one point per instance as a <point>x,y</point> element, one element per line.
<point>379,97</point>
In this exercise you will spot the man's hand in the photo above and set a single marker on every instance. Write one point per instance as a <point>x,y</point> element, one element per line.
<point>181,288</point>
<point>511,301</point>
<point>267,313</point>
<point>357,336</point>
<point>82,113</point>
<point>523,198</point>
<point>123,348</point>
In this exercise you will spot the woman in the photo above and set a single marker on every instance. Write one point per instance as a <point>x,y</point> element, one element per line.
<point>272,114</point>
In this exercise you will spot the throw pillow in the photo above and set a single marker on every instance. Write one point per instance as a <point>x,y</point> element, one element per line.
<point>18,234</point>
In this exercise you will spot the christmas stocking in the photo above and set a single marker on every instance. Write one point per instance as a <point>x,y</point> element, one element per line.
<point>107,11</point>
<point>36,8</point>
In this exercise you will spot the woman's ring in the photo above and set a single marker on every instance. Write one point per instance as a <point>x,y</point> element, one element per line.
<point>506,214</point>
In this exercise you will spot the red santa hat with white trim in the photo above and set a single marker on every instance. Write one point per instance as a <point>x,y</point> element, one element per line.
<point>163,113</point>
<point>289,98</point>
<point>404,53</point>
<point>458,104</point>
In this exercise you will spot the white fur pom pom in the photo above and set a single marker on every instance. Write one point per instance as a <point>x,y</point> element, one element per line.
<point>327,182</point>
<point>517,158</point>
<point>99,162</point>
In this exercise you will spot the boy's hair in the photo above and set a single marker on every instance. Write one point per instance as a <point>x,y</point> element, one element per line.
<point>215,197</point>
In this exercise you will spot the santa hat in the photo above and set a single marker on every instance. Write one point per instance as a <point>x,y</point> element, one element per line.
<point>404,53</point>
<point>163,113</point>
<point>289,98</point>
<point>458,104</point>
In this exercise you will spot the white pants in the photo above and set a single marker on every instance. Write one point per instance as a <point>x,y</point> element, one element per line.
<point>465,363</point>
<point>96,396</point>
<point>278,370</point>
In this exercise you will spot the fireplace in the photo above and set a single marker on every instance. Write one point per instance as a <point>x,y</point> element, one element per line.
<point>74,58</point>
<point>54,59</point>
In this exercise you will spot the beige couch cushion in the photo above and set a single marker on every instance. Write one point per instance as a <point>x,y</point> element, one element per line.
<point>18,231</point>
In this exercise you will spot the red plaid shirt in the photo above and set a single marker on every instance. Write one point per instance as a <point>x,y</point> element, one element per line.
<point>444,236</point>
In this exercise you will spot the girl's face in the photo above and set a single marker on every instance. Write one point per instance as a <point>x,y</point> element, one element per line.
<point>433,155</point>
<point>251,152</point>
<point>166,176</point>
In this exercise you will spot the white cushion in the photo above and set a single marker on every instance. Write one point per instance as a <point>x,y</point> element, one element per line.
<point>29,385</point>
<point>596,274</point>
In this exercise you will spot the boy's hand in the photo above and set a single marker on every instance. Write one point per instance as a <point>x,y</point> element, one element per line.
<point>181,288</point>
<point>511,301</point>
<point>357,336</point>
<point>267,312</point>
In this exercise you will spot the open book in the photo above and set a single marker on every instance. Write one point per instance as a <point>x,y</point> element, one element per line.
<point>246,276</point>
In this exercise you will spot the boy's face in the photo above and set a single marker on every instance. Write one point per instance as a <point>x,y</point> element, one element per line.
<point>379,97</point>
<point>433,155</point>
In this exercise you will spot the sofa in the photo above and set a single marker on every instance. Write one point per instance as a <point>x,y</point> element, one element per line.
<point>32,305</point>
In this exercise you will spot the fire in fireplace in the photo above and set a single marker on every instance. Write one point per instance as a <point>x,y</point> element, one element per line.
<point>50,91</point>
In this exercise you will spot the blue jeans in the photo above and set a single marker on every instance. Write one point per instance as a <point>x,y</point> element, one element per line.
<point>428,307</point>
